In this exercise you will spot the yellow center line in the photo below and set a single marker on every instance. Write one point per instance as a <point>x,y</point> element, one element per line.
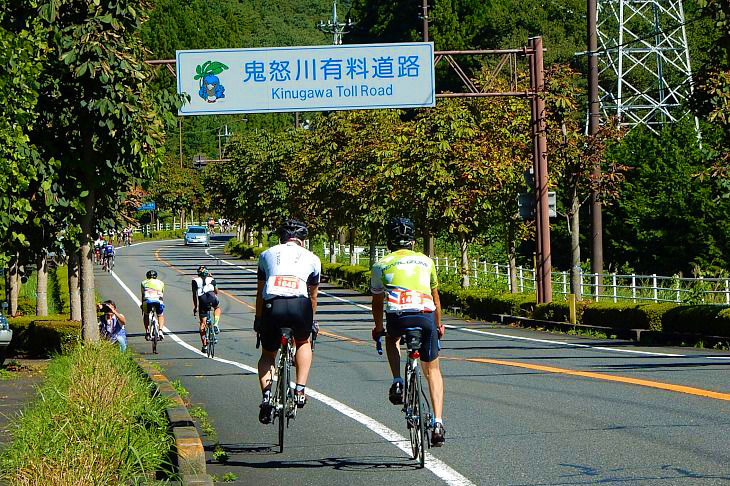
<point>605,377</point>
<point>530,366</point>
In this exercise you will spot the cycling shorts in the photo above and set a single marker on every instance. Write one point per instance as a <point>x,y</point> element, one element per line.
<point>398,324</point>
<point>293,312</point>
<point>149,304</point>
<point>207,301</point>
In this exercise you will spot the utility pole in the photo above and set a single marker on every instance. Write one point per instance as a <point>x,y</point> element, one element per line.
<point>593,123</point>
<point>544,288</point>
<point>334,27</point>
<point>179,127</point>
<point>429,240</point>
<point>424,16</point>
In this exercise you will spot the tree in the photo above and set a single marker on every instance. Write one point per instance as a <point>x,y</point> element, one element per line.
<point>99,119</point>
<point>667,219</point>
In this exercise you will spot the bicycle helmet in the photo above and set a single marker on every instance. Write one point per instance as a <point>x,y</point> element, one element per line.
<point>292,229</point>
<point>202,271</point>
<point>151,274</point>
<point>400,232</point>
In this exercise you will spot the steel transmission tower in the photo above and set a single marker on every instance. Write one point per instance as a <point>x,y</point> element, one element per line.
<point>643,60</point>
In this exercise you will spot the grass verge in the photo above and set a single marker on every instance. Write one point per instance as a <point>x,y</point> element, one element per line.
<point>95,421</point>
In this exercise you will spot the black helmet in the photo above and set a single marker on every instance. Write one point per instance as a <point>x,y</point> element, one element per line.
<point>400,232</point>
<point>292,228</point>
<point>202,271</point>
<point>151,274</point>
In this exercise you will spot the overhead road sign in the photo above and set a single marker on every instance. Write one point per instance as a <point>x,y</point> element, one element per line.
<point>150,206</point>
<point>315,78</point>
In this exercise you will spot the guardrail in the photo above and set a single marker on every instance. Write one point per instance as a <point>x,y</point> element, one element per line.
<point>599,287</point>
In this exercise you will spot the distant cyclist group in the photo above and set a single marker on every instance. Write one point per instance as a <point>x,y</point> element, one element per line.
<point>405,307</point>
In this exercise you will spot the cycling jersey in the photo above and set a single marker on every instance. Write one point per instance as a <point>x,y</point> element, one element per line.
<point>408,277</point>
<point>201,286</point>
<point>109,250</point>
<point>99,243</point>
<point>153,290</point>
<point>287,270</point>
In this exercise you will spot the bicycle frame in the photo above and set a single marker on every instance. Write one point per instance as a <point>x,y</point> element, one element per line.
<point>416,407</point>
<point>282,399</point>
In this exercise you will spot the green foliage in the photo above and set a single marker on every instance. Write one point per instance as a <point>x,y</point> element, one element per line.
<point>483,304</point>
<point>41,337</point>
<point>96,421</point>
<point>242,250</point>
<point>665,210</point>
<point>708,320</point>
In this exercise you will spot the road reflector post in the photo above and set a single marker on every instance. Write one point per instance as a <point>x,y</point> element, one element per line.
<point>571,306</point>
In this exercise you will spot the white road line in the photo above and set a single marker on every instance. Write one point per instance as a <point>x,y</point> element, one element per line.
<point>433,464</point>
<point>495,334</point>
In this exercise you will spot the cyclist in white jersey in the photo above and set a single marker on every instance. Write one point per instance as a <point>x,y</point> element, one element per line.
<point>205,297</point>
<point>288,278</point>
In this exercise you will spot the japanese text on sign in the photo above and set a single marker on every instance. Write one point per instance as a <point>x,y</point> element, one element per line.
<point>306,78</point>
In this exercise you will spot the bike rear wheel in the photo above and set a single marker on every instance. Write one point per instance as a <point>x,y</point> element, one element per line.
<point>211,339</point>
<point>284,395</point>
<point>154,331</point>
<point>415,419</point>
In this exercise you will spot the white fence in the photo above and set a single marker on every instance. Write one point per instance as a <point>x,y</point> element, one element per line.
<point>598,287</point>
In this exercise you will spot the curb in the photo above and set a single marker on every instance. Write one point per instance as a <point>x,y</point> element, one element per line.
<point>188,446</point>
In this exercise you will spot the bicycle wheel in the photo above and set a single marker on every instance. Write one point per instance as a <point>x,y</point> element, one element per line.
<point>211,338</point>
<point>284,397</point>
<point>417,426</point>
<point>154,331</point>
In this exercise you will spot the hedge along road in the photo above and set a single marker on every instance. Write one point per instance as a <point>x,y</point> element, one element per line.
<point>522,407</point>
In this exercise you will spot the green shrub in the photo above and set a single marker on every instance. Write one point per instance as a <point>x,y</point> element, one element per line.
<point>35,336</point>
<point>709,320</point>
<point>617,315</point>
<point>654,314</point>
<point>242,250</point>
<point>553,311</point>
<point>481,303</point>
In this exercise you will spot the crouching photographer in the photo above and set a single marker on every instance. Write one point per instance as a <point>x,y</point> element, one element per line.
<point>111,324</point>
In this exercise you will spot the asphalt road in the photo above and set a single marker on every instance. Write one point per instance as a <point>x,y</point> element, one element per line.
<point>522,407</point>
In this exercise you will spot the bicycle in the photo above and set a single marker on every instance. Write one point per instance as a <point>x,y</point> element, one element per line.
<point>154,328</point>
<point>108,264</point>
<point>210,335</point>
<point>282,400</point>
<point>415,401</point>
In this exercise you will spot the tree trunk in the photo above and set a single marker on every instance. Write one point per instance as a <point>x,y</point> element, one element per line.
<point>333,257</point>
<point>74,291</point>
<point>353,257</point>
<point>429,245</point>
<point>512,258</point>
<point>14,287</point>
<point>89,327</point>
<point>41,302</point>
<point>575,248</point>
<point>464,249</point>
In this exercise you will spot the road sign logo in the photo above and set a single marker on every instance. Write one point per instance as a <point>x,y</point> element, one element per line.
<point>211,89</point>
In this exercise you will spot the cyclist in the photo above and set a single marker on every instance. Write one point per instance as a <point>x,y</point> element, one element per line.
<point>153,291</point>
<point>99,243</point>
<point>108,250</point>
<point>288,278</point>
<point>205,297</point>
<point>404,284</point>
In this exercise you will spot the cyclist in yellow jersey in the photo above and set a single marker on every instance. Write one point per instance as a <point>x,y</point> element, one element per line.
<point>404,285</point>
<point>153,291</point>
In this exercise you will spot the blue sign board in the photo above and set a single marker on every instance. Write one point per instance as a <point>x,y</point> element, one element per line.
<point>150,206</point>
<point>316,78</point>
